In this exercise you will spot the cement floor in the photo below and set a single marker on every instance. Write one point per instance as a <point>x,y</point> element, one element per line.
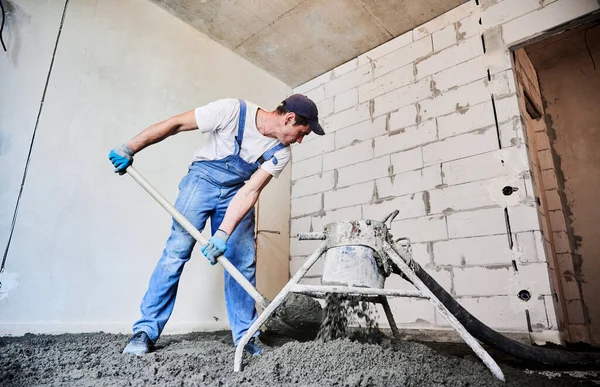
<point>206,359</point>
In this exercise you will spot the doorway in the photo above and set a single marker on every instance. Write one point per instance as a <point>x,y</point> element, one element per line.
<point>559,94</point>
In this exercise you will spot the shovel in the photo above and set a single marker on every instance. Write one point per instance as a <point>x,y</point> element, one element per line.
<point>312,308</point>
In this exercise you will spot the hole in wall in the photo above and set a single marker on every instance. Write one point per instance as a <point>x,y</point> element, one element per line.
<point>508,190</point>
<point>524,295</point>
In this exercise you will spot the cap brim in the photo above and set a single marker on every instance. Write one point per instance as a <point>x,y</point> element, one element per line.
<point>316,128</point>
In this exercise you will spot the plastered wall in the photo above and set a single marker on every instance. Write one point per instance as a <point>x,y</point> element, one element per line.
<point>428,124</point>
<point>86,240</point>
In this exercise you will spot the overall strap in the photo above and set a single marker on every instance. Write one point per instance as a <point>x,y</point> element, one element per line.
<point>270,154</point>
<point>241,126</point>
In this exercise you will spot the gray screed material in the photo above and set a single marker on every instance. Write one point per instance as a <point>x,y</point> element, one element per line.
<point>205,359</point>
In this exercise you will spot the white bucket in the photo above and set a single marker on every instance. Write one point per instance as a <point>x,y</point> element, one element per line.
<point>352,266</point>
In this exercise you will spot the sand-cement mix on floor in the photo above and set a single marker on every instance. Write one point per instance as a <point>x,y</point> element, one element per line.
<point>206,359</point>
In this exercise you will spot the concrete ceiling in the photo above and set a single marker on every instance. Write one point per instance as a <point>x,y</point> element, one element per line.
<point>297,40</point>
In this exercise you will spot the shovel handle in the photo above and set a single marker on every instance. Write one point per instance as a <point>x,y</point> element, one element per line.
<point>189,227</point>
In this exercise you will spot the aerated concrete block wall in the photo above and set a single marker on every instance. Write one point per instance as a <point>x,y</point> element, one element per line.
<point>428,123</point>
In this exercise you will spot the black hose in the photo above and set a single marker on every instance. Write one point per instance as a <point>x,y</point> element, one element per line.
<point>483,333</point>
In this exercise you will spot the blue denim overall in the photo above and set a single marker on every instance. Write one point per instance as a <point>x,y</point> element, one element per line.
<point>205,192</point>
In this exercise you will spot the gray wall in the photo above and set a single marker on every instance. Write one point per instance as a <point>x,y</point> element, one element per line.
<point>85,239</point>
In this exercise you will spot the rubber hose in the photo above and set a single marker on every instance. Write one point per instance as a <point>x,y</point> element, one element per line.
<point>483,333</point>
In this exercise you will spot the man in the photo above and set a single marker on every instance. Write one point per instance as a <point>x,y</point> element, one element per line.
<point>246,147</point>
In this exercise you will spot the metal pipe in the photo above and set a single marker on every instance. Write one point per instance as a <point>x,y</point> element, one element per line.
<point>189,227</point>
<point>354,291</point>
<point>390,316</point>
<point>306,236</point>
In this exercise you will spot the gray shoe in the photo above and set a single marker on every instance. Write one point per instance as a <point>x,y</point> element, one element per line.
<point>139,344</point>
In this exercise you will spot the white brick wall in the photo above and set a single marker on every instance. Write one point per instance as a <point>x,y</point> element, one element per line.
<point>499,311</point>
<point>507,10</point>
<point>313,184</point>
<point>451,56</point>
<point>307,205</point>
<point>461,74</point>
<point>348,213</point>
<point>403,56</point>
<point>300,225</point>
<point>403,96</point>
<point>386,83</point>
<point>510,162</point>
<point>425,229</point>
<point>475,117</point>
<point>406,138</point>
<point>403,118</point>
<point>349,155</point>
<point>459,147</point>
<point>359,132</point>
<point>482,281</point>
<point>455,100</point>
<point>409,182</point>
<point>410,206</point>
<point>348,81</point>
<point>461,197</point>
<point>444,38</point>
<point>476,223</point>
<point>345,100</point>
<point>365,171</point>
<point>538,21</point>
<point>350,196</point>
<point>411,126</point>
<point>530,247</point>
<point>486,250</point>
<point>318,146</point>
<point>346,118</point>
<point>407,160</point>
<point>307,167</point>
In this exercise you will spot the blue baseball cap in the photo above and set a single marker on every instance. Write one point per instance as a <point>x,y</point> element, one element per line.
<point>303,106</point>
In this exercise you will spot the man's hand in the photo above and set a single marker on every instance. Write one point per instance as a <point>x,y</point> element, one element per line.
<point>216,246</point>
<point>121,157</point>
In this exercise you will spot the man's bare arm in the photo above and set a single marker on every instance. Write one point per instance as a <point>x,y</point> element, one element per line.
<point>244,200</point>
<point>159,131</point>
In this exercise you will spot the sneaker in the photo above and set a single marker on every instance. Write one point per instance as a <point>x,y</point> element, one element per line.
<point>139,344</point>
<point>253,348</point>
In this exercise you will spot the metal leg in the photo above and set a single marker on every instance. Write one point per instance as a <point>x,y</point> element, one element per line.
<point>464,334</point>
<point>390,317</point>
<point>239,351</point>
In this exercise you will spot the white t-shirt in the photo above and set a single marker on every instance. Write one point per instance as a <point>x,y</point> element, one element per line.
<point>220,120</point>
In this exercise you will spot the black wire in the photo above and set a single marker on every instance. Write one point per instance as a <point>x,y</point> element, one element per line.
<point>586,45</point>
<point>2,25</point>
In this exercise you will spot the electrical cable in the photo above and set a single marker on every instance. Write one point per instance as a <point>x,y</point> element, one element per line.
<point>37,121</point>
<point>588,48</point>
<point>2,25</point>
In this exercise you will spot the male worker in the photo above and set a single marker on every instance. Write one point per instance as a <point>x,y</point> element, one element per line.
<point>246,147</point>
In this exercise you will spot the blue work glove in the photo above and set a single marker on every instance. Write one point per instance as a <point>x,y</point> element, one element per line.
<point>216,246</point>
<point>121,157</point>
